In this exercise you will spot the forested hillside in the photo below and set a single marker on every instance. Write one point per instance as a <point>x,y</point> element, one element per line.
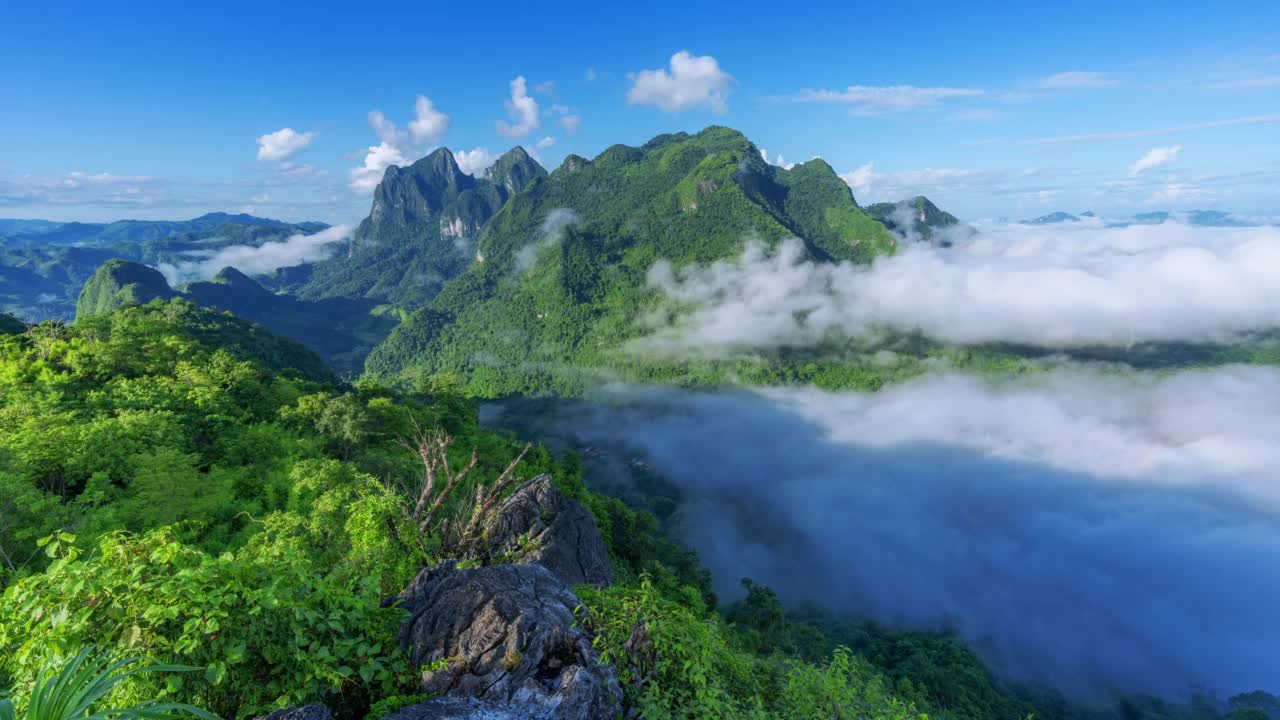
<point>559,280</point>
<point>181,485</point>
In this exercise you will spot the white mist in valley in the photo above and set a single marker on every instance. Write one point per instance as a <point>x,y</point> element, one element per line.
<point>1086,531</point>
<point>1052,286</point>
<point>263,259</point>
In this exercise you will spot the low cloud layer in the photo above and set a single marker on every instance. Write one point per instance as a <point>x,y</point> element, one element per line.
<point>1050,286</point>
<point>257,260</point>
<point>1090,532</point>
<point>552,231</point>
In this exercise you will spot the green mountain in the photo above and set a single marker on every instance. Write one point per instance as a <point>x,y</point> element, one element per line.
<point>422,229</point>
<point>917,219</point>
<point>340,330</point>
<point>559,279</point>
<point>120,283</point>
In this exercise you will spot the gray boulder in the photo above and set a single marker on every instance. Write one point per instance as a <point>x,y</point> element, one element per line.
<point>505,635</point>
<point>539,524</point>
<point>300,712</point>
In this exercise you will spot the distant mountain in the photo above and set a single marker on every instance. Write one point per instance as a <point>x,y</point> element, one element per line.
<point>42,278</point>
<point>340,330</point>
<point>23,227</point>
<point>29,233</point>
<point>558,278</point>
<point>918,219</point>
<point>1198,218</point>
<point>422,229</point>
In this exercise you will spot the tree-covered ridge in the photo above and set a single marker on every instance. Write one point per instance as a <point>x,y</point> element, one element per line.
<point>560,278</point>
<point>341,330</point>
<point>119,283</point>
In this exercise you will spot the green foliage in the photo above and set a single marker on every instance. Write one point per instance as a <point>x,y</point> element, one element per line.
<point>677,660</point>
<point>78,688</point>
<point>268,632</point>
<point>119,283</point>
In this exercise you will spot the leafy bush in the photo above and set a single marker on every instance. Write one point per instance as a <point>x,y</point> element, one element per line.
<point>267,633</point>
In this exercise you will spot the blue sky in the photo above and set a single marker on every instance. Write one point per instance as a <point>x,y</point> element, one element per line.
<point>157,111</point>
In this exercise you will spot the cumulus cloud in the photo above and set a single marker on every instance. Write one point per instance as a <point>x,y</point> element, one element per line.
<point>778,160</point>
<point>547,87</point>
<point>521,109</point>
<point>1154,158</point>
<point>546,142</point>
<point>693,82</point>
<point>281,145</point>
<point>859,179</point>
<point>1053,286</point>
<point>397,147</point>
<point>429,124</point>
<point>590,75</point>
<point>376,161</point>
<point>552,231</point>
<point>1075,79</point>
<point>1093,532</point>
<point>873,100</point>
<point>257,260</point>
<point>474,162</point>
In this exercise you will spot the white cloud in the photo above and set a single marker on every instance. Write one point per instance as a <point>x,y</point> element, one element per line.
<point>429,124</point>
<point>398,147</point>
<point>474,162</point>
<point>1130,134</point>
<point>552,231</point>
<point>693,81</point>
<point>1075,79</point>
<point>590,75</point>
<point>1052,286</point>
<point>779,160</point>
<point>259,260</point>
<point>571,123</point>
<point>546,142</point>
<point>870,100</point>
<point>376,161</point>
<point>971,502</point>
<point>522,109</point>
<point>282,144</point>
<point>860,179</point>
<point>1154,158</point>
<point>547,87</point>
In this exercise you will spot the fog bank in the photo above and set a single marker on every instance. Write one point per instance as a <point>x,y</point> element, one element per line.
<point>1053,286</point>
<point>1090,532</point>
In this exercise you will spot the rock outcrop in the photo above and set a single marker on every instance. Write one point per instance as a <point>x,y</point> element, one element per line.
<point>505,634</point>
<point>541,525</point>
<point>301,712</point>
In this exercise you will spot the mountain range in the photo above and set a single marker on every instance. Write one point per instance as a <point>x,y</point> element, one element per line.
<point>1197,218</point>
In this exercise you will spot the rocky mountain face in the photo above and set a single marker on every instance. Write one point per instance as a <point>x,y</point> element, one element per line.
<point>422,229</point>
<point>537,524</point>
